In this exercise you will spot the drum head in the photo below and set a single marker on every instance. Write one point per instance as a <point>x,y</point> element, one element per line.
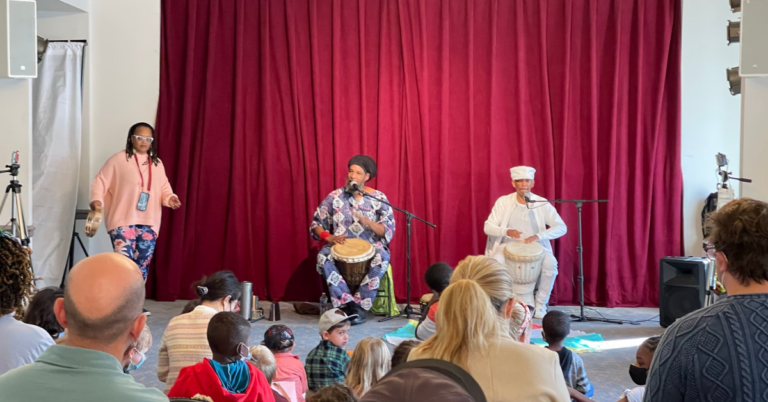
<point>521,249</point>
<point>353,250</point>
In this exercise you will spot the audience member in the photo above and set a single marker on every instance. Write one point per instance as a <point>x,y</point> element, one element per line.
<point>426,380</point>
<point>401,352</point>
<point>138,353</point>
<point>639,371</point>
<point>520,323</point>
<point>333,393</point>
<point>264,360</point>
<point>101,310</point>
<point>555,327</point>
<point>327,363</point>
<point>370,362</point>
<point>185,341</point>
<point>279,339</point>
<point>438,277</point>
<point>40,311</point>
<point>228,376</point>
<point>717,352</point>
<point>476,308</point>
<point>20,343</point>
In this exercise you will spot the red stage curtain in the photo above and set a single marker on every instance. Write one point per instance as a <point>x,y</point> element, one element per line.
<point>263,102</point>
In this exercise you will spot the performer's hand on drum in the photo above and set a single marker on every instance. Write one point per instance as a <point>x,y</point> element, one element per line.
<point>174,202</point>
<point>515,234</point>
<point>337,239</point>
<point>531,239</point>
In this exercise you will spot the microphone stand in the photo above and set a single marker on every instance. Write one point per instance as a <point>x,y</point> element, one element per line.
<point>580,250</point>
<point>408,309</point>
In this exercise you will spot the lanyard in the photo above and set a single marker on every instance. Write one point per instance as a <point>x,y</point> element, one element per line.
<point>149,188</point>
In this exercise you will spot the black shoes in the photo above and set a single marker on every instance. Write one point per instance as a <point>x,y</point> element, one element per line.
<point>353,308</point>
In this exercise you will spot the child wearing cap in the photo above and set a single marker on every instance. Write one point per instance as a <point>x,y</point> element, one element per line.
<point>279,339</point>
<point>327,363</point>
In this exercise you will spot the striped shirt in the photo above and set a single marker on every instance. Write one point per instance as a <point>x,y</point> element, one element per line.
<point>185,342</point>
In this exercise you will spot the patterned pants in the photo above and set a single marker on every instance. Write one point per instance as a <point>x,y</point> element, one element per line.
<point>136,242</point>
<point>340,293</point>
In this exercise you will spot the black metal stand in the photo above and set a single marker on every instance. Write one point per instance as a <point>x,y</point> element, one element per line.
<point>408,309</point>
<point>580,250</point>
<point>79,214</point>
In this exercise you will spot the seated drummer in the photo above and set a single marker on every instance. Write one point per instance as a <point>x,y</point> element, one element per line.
<point>345,214</point>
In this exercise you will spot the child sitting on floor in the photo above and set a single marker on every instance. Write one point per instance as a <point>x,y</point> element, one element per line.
<point>327,363</point>
<point>438,277</point>
<point>279,339</point>
<point>370,362</point>
<point>226,377</point>
<point>555,327</point>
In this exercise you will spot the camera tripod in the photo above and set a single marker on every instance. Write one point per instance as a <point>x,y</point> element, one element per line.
<point>18,224</point>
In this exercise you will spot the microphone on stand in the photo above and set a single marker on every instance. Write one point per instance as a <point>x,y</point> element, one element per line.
<point>355,187</point>
<point>527,200</point>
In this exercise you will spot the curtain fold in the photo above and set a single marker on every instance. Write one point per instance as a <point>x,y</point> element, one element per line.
<point>262,104</point>
<point>56,137</point>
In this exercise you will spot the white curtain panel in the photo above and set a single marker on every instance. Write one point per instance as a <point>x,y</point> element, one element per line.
<point>56,135</point>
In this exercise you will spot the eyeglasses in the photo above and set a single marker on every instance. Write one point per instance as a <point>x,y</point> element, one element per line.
<point>141,138</point>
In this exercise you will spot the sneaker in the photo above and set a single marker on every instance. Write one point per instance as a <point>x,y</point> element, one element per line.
<point>145,312</point>
<point>541,311</point>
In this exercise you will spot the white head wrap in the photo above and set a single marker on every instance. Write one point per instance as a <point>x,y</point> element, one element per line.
<point>522,172</point>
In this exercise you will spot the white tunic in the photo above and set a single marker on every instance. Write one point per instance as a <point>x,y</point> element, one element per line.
<point>541,219</point>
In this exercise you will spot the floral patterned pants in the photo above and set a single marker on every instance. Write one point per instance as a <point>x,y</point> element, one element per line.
<point>340,293</point>
<point>136,242</point>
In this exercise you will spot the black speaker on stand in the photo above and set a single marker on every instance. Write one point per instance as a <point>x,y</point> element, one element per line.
<point>683,286</point>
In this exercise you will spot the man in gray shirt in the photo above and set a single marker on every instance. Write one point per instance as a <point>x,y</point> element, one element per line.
<point>720,353</point>
<point>101,311</point>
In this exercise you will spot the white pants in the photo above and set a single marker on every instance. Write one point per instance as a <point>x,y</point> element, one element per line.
<point>546,279</point>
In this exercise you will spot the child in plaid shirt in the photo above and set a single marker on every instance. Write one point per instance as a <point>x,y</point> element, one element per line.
<point>327,363</point>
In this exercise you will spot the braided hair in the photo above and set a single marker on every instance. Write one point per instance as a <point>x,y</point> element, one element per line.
<point>16,280</point>
<point>129,143</point>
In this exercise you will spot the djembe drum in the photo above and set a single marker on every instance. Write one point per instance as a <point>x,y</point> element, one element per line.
<point>353,260</point>
<point>524,263</point>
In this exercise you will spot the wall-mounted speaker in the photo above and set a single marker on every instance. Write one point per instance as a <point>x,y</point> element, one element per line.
<point>683,283</point>
<point>18,39</point>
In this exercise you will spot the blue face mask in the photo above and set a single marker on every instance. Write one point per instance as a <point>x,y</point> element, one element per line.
<point>135,366</point>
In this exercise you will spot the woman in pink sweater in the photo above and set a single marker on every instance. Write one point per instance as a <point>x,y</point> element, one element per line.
<point>131,189</point>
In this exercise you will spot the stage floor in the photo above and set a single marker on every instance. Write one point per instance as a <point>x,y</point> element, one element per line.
<point>607,369</point>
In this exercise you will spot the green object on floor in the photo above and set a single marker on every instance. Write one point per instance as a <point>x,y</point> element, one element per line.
<point>385,296</point>
<point>578,344</point>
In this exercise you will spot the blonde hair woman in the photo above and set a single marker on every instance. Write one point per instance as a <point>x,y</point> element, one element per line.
<point>475,334</point>
<point>370,362</point>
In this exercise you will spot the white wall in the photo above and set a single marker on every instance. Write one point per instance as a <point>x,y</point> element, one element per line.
<point>125,60</point>
<point>754,131</point>
<point>710,115</point>
<point>15,135</point>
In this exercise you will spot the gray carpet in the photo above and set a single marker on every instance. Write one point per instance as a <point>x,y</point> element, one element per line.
<point>607,370</point>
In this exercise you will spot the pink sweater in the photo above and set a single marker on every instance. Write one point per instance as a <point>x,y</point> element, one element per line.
<point>118,186</point>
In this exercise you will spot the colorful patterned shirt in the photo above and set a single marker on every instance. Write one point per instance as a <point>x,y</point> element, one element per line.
<point>335,214</point>
<point>326,365</point>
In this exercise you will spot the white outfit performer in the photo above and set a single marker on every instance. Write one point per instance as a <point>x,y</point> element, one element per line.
<point>533,219</point>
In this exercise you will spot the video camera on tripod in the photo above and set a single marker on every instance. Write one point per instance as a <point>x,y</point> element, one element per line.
<point>18,223</point>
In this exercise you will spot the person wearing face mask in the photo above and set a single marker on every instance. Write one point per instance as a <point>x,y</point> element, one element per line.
<point>720,352</point>
<point>185,341</point>
<point>130,191</point>
<point>227,377</point>
<point>137,355</point>
<point>639,371</point>
<point>101,311</point>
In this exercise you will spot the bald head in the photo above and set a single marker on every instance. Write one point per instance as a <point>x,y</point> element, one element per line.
<point>103,296</point>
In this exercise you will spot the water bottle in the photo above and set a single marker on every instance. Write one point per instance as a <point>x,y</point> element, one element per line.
<point>323,303</point>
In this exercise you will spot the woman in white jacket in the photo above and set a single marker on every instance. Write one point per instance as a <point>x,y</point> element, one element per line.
<point>474,333</point>
<point>524,216</point>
